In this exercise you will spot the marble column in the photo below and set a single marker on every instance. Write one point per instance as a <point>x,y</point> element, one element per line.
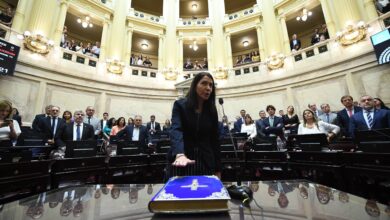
<point>118,32</point>
<point>329,19</point>
<point>229,52</point>
<point>41,12</point>
<point>272,38</point>
<point>210,59</point>
<point>217,16</point>
<point>259,31</point>
<point>60,22</point>
<point>103,43</point>
<point>347,11</point>
<point>180,52</point>
<point>127,52</point>
<point>19,17</point>
<point>285,37</point>
<point>161,52</point>
<point>171,14</point>
<point>370,8</point>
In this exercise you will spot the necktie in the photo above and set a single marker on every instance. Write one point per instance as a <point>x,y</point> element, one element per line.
<point>350,112</point>
<point>153,125</point>
<point>271,121</point>
<point>89,120</point>
<point>78,134</point>
<point>327,117</point>
<point>369,119</point>
<point>53,123</point>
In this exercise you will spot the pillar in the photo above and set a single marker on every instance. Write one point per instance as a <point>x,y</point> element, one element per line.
<point>229,52</point>
<point>273,38</point>
<point>103,41</point>
<point>259,32</point>
<point>329,19</point>
<point>127,52</point>
<point>41,12</point>
<point>180,52</point>
<point>118,32</point>
<point>285,37</point>
<point>171,14</point>
<point>210,59</point>
<point>60,22</point>
<point>346,11</point>
<point>160,52</point>
<point>370,9</point>
<point>19,17</point>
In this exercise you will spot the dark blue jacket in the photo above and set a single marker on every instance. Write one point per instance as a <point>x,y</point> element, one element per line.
<point>277,129</point>
<point>381,120</point>
<point>343,120</point>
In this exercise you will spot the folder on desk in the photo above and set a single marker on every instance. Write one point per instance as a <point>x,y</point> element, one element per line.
<point>191,194</point>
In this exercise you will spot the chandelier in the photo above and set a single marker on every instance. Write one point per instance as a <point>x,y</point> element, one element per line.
<point>194,46</point>
<point>305,15</point>
<point>86,22</point>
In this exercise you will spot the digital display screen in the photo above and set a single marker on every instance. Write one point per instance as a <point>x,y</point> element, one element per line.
<point>381,43</point>
<point>8,56</point>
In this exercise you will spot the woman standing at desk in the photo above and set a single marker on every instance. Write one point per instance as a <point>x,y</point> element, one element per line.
<point>9,128</point>
<point>195,149</point>
<point>311,125</point>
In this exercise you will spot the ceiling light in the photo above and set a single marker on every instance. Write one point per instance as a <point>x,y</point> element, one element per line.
<point>144,46</point>
<point>305,15</point>
<point>194,7</point>
<point>86,22</point>
<point>245,43</point>
<point>194,46</point>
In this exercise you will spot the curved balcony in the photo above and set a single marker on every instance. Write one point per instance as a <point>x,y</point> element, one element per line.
<point>243,14</point>
<point>145,17</point>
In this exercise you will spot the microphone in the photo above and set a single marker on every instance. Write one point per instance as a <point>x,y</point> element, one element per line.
<point>242,193</point>
<point>220,100</point>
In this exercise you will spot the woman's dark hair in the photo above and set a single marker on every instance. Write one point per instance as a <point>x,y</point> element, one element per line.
<point>17,112</point>
<point>248,116</point>
<point>119,119</point>
<point>383,106</point>
<point>192,96</point>
<point>66,111</point>
<point>110,122</point>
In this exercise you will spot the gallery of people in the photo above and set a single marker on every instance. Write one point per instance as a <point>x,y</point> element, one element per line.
<point>194,109</point>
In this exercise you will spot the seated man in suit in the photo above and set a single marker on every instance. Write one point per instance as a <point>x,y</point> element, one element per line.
<point>153,126</point>
<point>343,116</point>
<point>273,125</point>
<point>136,133</point>
<point>240,121</point>
<point>370,118</point>
<point>52,125</point>
<point>328,116</point>
<point>74,131</point>
<point>39,117</point>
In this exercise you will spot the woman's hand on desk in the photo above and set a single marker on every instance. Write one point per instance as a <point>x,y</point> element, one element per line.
<point>182,161</point>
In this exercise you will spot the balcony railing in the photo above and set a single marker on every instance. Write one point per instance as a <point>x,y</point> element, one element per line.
<point>5,31</point>
<point>319,48</point>
<point>79,58</point>
<point>107,3</point>
<point>243,13</point>
<point>193,22</point>
<point>246,69</point>
<point>385,20</point>
<point>146,17</point>
<point>143,71</point>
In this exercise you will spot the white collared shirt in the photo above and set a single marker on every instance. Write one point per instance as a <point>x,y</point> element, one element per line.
<point>135,136</point>
<point>75,131</point>
<point>55,124</point>
<point>366,119</point>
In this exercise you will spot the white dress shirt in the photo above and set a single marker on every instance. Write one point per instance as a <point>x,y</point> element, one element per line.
<point>135,136</point>
<point>323,127</point>
<point>249,129</point>
<point>75,131</point>
<point>4,131</point>
<point>366,119</point>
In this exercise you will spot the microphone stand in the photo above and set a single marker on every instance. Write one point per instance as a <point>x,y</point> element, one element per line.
<point>243,193</point>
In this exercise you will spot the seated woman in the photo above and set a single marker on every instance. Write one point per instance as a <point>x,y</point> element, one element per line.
<point>290,121</point>
<point>16,116</point>
<point>119,125</point>
<point>67,116</point>
<point>9,128</point>
<point>311,125</point>
<point>249,127</point>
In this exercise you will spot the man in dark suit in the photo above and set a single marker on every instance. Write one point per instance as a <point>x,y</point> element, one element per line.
<point>273,125</point>
<point>259,129</point>
<point>153,127</point>
<point>52,125</point>
<point>370,118</point>
<point>39,117</point>
<point>313,107</point>
<point>240,121</point>
<point>75,131</point>
<point>343,116</point>
<point>103,121</point>
<point>136,133</point>
<point>295,43</point>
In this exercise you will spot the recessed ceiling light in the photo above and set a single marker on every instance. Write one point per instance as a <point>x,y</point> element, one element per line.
<point>144,46</point>
<point>245,43</point>
<point>194,6</point>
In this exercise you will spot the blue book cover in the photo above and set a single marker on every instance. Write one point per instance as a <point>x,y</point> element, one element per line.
<point>191,194</point>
